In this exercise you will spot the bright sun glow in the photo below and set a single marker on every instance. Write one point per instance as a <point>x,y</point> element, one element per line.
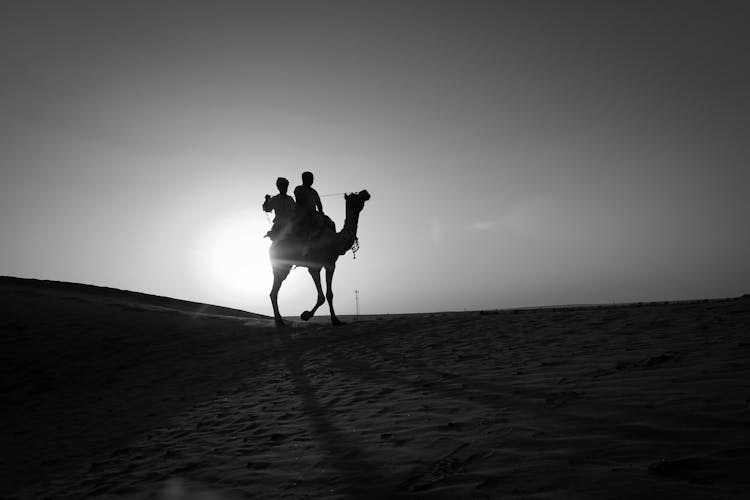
<point>231,260</point>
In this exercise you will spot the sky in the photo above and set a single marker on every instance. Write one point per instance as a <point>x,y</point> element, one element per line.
<point>517,153</point>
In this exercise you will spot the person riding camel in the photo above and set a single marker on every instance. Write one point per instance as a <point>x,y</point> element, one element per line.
<point>284,208</point>
<point>309,211</point>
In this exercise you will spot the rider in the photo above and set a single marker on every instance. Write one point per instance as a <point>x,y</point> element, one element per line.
<point>283,206</point>
<point>309,209</point>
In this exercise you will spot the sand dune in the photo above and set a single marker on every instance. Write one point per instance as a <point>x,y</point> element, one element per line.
<point>114,394</point>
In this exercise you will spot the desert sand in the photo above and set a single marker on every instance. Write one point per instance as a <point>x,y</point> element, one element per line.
<point>114,394</point>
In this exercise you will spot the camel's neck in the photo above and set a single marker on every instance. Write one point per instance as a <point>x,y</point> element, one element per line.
<point>349,232</point>
<point>351,223</point>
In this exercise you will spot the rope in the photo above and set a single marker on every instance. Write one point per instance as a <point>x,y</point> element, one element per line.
<point>332,194</point>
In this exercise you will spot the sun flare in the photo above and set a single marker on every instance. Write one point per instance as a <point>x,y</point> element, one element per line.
<point>232,264</point>
<point>231,259</point>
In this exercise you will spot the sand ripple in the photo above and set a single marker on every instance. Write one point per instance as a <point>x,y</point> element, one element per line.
<point>609,402</point>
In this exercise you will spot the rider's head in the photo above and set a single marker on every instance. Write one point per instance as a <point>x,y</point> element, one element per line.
<point>282,184</point>
<point>307,178</point>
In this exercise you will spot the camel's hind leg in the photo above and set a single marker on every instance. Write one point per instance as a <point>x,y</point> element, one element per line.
<point>315,274</point>
<point>329,295</point>
<point>279,275</point>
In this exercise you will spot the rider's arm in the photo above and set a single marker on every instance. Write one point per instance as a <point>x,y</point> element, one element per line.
<point>318,203</point>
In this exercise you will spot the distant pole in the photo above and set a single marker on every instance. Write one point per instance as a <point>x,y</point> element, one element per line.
<point>356,301</point>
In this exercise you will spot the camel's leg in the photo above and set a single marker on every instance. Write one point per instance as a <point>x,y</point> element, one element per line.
<point>329,295</point>
<point>315,273</point>
<point>279,275</point>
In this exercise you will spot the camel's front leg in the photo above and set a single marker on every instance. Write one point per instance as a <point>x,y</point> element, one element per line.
<point>315,273</point>
<point>279,275</point>
<point>329,295</point>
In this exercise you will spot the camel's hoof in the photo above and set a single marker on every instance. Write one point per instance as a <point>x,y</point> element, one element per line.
<point>280,323</point>
<point>337,322</point>
<point>305,316</point>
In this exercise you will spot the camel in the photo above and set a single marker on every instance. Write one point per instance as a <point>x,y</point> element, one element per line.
<point>323,252</point>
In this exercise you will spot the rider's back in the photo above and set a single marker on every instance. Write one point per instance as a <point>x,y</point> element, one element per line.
<point>307,199</point>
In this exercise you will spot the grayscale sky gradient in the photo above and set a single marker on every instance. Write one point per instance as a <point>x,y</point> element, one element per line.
<point>517,153</point>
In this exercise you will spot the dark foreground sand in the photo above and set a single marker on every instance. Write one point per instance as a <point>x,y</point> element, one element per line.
<point>113,394</point>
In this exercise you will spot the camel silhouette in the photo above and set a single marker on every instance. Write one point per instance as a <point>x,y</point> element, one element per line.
<point>323,252</point>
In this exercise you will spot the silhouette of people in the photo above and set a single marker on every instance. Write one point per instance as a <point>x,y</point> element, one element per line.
<point>308,200</point>
<point>284,210</point>
<point>309,211</point>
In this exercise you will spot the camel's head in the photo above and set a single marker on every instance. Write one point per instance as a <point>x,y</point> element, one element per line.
<point>356,201</point>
